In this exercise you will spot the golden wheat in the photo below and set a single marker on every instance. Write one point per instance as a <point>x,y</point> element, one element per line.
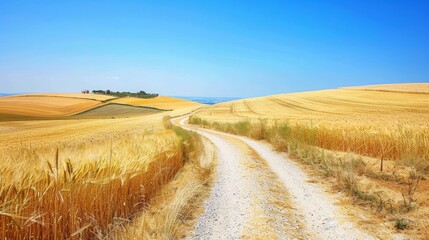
<point>161,102</point>
<point>44,106</point>
<point>63,105</point>
<point>173,211</point>
<point>74,179</point>
<point>410,87</point>
<point>98,97</point>
<point>62,197</point>
<point>389,125</point>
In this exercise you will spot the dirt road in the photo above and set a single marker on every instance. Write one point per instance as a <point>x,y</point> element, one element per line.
<point>259,193</point>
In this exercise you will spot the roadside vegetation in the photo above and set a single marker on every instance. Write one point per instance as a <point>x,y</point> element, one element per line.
<point>399,144</point>
<point>172,213</point>
<point>404,176</point>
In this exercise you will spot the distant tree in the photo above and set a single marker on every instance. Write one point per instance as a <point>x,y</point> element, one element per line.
<point>139,94</point>
<point>98,92</point>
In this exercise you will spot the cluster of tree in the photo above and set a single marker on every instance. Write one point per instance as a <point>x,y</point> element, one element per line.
<point>140,94</point>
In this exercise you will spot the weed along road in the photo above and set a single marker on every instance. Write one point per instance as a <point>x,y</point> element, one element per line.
<point>261,193</point>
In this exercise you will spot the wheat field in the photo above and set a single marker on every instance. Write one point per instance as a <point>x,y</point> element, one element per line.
<point>61,106</point>
<point>45,106</point>
<point>98,97</point>
<point>373,123</point>
<point>410,87</point>
<point>161,102</point>
<point>79,178</point>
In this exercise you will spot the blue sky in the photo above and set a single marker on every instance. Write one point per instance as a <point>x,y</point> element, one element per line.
<point>211,48</point>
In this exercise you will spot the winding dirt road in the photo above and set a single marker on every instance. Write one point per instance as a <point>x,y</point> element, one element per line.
<point>259,193</point>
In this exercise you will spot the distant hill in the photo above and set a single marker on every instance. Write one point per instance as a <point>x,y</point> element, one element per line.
<point>161,102</point>
<point>394,103</point>
<point>209,100</point>
<point>408,87</point>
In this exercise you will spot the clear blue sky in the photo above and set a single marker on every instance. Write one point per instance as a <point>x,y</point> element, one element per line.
<point>211,48</point>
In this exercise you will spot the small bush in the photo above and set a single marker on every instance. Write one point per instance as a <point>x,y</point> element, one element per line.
<point>182,133</point>
<point>166,121</point>
<point>242,127</point>
<point>401,223</point>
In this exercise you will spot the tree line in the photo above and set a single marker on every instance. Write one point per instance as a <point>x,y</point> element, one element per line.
<point>139,94</point>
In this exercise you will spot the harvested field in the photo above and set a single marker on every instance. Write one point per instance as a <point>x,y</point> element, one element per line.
<point>98,97</point>
<point>339,106</point>
<point>161,102</point>
<point>117,110</point>
<point>411,87</point>
<point>391,125</point>
<point>347,120</point>
<point>65,106</point>
<point>44,106</point>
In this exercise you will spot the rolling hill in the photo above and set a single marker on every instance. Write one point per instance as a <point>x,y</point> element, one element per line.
<point>161,102</point>
<point>410,87</point>
<point>329,106</point>
<point>60,106</point>
<point>371,142</point>
<point>43,106</point>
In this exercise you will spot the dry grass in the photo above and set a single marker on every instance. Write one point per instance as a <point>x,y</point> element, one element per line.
<point>161,102</point>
